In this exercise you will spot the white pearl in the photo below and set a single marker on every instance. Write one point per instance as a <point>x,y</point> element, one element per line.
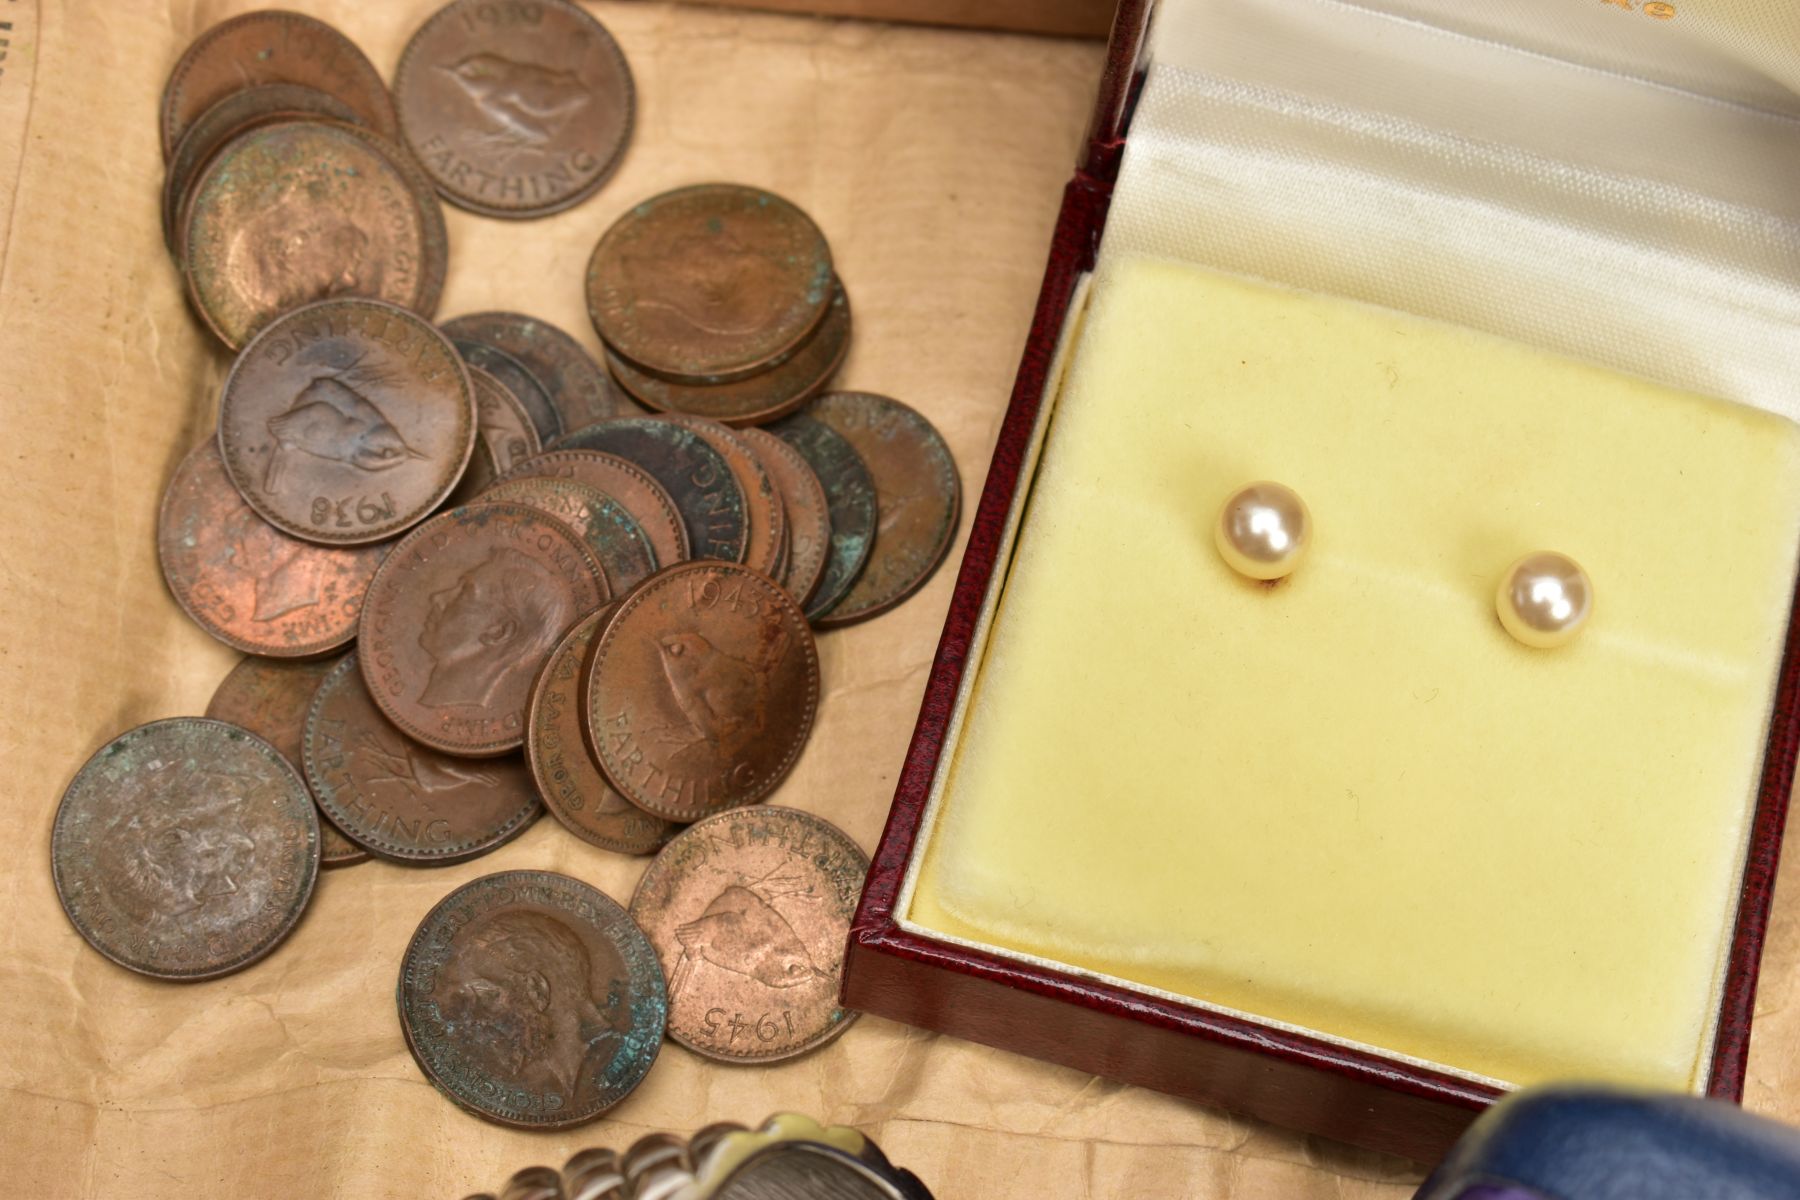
<point>1544,599</point>
<point>1263,530</point>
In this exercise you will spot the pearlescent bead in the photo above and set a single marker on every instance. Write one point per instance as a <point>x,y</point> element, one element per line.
<point>1544,599</point>
<point>1263,530</point>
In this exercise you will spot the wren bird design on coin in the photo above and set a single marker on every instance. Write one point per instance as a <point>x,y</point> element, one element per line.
<point>850,500</point>
<point>247,583</point>
<point>532,999</point>
<point>702,690</point>
<point>574,790</point>
<point>749,911</point>
<point>709,283</point>
<point>461,616</point>
<point>296,211</point>
<point>581,392</point>
<point>232,115</point>
<point>347,421</point>
<point>808,514</point>
<point>272,47</point>
<point>398,799</point>
<point>270,697</point>
<point>917,493</point>
<point>513,375</point>
<point>608,528</point>
<point>622,481</point>
<point>185,849</point>
<point>695,476</point>
<point>504,435</point>
<point>757,398</point>
<point>515,109</point>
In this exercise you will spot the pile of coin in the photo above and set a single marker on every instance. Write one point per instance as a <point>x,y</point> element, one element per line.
<point>556,598</point>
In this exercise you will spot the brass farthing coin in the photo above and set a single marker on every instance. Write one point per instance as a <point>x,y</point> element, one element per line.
<point>702,690</point>
<point>917,498</point>
<point>636,491</point>
<point>272,47</point>
<point>401,800</point>
<point>347,421</point>
<point>850,502</point>
<point>515,110</point>
<point>580,390</point>
<point>246,582</point>
<point>695,476</point>
<point>461,616</point>
<point>758,398</point>
<point>574,790</point>
<point>531,999</point>
<point>185,849</point>
<point>296,211</point>
<point>749,911</point>
<point>709,283</point>
<point>270,698</point>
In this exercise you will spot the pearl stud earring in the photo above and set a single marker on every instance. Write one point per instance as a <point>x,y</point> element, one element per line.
<point>1263,530</point>
<point>1544,599</point>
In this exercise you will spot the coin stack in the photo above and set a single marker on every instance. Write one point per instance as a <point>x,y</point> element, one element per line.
<point>556,598</point>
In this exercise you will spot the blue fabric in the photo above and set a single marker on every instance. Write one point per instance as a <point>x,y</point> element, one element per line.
<point>1593,1143</point>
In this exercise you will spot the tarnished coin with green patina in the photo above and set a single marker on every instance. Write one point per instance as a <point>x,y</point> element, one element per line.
<point>296,211</point>
<point>580,390</point>
<point>532,999</point>
<point>608,528</point>
<point>849,498</point>
<point>918,498</point>
<point>185,849</point>
<point>696,477</point>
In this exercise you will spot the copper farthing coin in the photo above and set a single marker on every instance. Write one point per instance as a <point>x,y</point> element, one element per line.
<point>709,283</point>
<point>808,515</point>
<point>272,47</point>
<point>270,698</point>
<point>573,788</point>
<point>765,520</point>
<point>398,799</point>
<point>185,849</point>
<point>531,999</point>
<point>296,211</point>
<point>758,398</point>
<point>695,476</point>
<point>607,527</point>
<point>504,435</point>
<point>580,390</point>
<point>850,502</point>
<point>515,109</point>
<point>461,616</point>
<point>917,498</point>
<point>622,480</point>
<point>702,690</point>
<point>749,912</point>
<point>247,583</point>
<point>347,421</point>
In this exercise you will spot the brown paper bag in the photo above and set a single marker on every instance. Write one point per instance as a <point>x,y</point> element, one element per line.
<point>934,160</point>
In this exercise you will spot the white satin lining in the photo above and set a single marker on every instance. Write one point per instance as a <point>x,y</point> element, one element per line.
<point>1613,218</point>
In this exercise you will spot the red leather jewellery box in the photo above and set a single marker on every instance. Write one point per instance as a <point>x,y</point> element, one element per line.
<point>1390,192</point>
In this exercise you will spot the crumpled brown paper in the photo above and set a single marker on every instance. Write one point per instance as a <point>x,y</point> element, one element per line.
<point>934,159</point>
